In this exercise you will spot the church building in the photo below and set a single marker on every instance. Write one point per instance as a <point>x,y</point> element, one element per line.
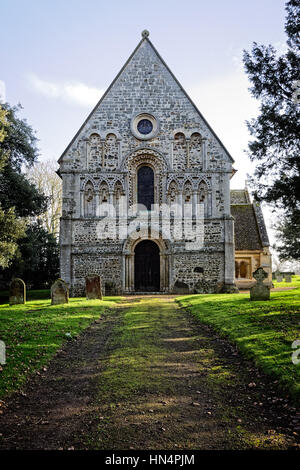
<point>146,192</point>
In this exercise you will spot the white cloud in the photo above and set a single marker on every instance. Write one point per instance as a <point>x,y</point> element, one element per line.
<point>2,91</point>
<point>71,92</point>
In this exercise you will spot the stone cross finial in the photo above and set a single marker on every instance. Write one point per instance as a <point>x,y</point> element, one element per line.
<point>145,33</point>
<point>260,275</point>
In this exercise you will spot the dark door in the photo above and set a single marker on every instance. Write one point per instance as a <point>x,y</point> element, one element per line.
<point>147,267</point>
<point>146,186</point>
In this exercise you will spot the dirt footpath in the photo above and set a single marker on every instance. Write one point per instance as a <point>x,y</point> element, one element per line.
<point>148,376</point>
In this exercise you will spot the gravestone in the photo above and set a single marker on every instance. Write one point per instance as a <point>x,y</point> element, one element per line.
<point>59,292</point>
<point>279,278</point>
<point>93,287</point>
<point>17,292</point>
<point>180,288</point>
<point>260,291</point>
<point>288,278</point>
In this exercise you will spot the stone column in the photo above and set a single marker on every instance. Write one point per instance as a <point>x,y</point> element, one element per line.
<point>229,275</point>
<point>131,273</point>
<point>187,152</point>
<point>81,203</point>
<point>103,153</point>
<point>119,151</point>
<point>194,201</point>
<point>97,196</point>
<point>204,153</point>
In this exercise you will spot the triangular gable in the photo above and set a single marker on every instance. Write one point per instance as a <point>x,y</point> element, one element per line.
<point>145,38</point>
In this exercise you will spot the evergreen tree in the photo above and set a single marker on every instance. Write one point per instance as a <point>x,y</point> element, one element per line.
<point>276,145</point>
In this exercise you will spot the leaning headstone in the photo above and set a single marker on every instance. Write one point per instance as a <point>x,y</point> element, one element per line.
<point>260,291</point>
<point>288,278</point>
<point>93,287</point>
<point>279,278</point>
<point>59,292</point>
<point>17,292</point>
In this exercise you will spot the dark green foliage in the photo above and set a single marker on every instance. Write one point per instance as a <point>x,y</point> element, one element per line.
<point>20,141</point>
<point>38,260</point>
<point>19,147</point>
<point>276,131</point>
<point>287,234</point>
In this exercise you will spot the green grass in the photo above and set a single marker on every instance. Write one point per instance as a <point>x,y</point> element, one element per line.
<point>134,349</point>
<point>35,331</point>
<point>295,282</point>
<point>263,331</point>
<point>36,294</point>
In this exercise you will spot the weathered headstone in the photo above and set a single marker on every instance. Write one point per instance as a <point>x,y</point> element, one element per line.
<point>17,292</point>
<point>260,291</point>
<point>279,278</point>
<point>93,287</point>
<point>180,288</point>
<point>59,292</point>
<point>288,278</point>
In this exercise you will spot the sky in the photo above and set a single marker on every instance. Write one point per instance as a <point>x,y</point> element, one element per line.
<point>57,57</point>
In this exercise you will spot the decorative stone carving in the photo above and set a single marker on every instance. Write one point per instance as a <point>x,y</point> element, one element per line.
<point>93,287</point>
<point>195,151</point>
<point>59,292</point>
<point>179,152</point>
<point>17,292</point>
<point>260,291</point>
<point>95,152</point>
<point>111,152</point>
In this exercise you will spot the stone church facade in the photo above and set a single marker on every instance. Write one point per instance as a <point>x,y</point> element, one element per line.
<point>146,143</point>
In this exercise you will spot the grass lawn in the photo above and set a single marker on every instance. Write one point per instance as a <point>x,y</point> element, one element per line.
<point>35,331</point>
<point>295,282</point>
<point>263,331</point>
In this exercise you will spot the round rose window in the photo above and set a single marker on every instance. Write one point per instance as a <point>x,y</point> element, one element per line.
<point>145,126</point>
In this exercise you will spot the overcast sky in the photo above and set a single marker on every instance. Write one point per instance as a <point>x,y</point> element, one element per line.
<point>58,56</point>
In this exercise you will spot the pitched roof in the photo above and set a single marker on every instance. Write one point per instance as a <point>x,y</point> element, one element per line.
<point>144,39</point>
<point>249,226</point>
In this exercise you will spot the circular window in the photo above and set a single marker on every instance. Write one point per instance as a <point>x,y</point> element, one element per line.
<point>144,126</point>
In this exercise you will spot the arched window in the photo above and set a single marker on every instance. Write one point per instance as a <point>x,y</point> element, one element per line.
<point>145,186</point>
<point>204,197</point>
<point>244,269</point>
<point>89,200</point>
<point>118,195</point>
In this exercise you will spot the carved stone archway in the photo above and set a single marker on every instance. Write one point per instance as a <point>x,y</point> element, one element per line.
<point>128,260</point>
<point>154,160</point>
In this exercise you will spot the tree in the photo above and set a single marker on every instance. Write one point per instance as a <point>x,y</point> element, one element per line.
<point>3,133</point>
<point>19,148</point>
<point>38,258</point>
<point>45,178</point>
<point>11,228</point>
<point>276,145</point>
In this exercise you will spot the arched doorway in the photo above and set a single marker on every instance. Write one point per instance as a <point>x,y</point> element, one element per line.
<point>147,267</point>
